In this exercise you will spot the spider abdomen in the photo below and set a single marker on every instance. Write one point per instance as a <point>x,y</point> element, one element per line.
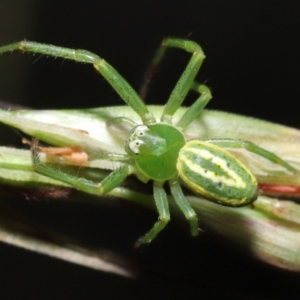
<point>213,172</point>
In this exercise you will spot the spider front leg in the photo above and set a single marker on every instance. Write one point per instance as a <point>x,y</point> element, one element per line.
<point>114,179</point>
<point>251,147</point>
<point>186,80</point>
<point>121,86</point>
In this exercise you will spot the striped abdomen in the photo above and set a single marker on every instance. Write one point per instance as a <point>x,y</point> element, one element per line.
<point>213,172</point>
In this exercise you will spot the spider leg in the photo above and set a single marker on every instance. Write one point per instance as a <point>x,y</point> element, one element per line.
<point>251,147</point>
<point>194,110</point>
<point>121,120</point>
<point>185,82</point>
<point>114,179</point>
<point>184,206</point>
<point>121,86</point>
<point>187,78</point>
<point>162,205</point>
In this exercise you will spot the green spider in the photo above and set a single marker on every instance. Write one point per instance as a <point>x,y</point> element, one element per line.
<point>157,149</point>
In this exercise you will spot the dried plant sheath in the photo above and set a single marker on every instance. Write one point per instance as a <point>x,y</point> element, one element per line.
<point>270,232</point>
